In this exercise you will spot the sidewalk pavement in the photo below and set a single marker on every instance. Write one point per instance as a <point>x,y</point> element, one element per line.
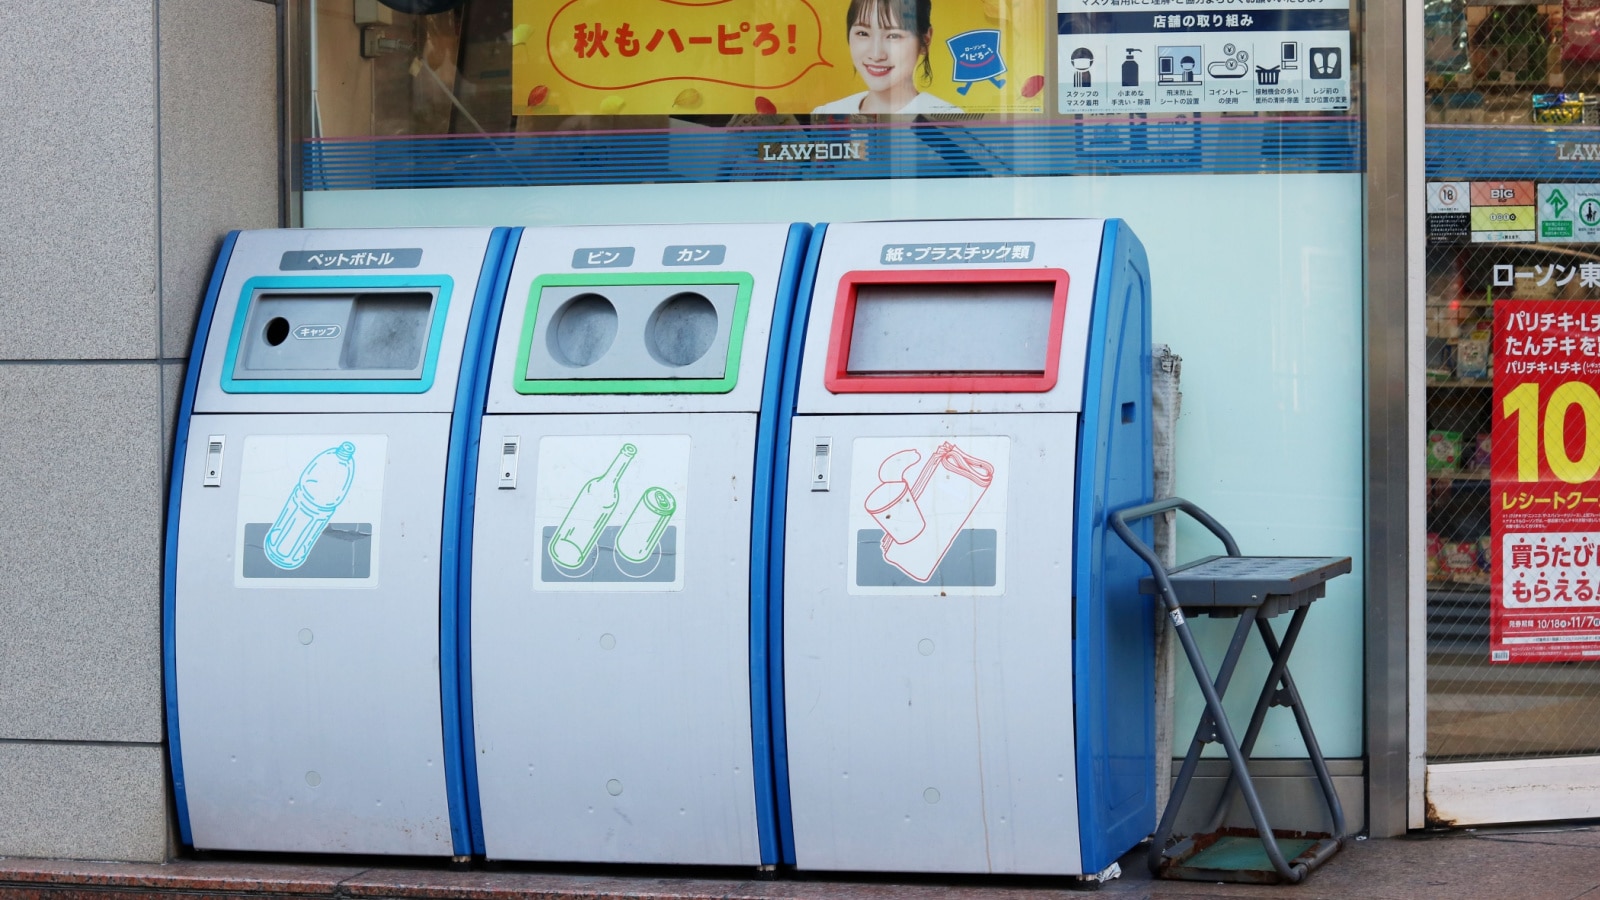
<point>1535,863</point>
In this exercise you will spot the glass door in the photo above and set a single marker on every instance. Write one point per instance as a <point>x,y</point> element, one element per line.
<point>1513,411</point>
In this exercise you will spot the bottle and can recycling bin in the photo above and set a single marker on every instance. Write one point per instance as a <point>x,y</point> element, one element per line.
<point>311,571</point>
<point>966,661</point>
<point>618,596</point>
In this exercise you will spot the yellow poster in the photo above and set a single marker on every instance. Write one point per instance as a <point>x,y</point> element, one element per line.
<point>808,57</point>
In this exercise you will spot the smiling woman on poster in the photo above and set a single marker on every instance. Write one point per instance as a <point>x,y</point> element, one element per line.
<point>889,42</point>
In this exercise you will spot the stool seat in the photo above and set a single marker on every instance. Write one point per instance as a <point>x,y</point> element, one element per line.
<point>1282,583</point>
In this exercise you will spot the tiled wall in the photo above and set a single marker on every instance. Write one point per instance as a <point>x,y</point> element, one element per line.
<point>138,132</point>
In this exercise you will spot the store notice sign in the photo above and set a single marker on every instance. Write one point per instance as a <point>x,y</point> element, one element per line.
<point>1569,213</point>
<point>758,57</point>
<point>1544,499</point>
<point>1449,212</point>
<point>1202,55</point>
<point>1504,211</point>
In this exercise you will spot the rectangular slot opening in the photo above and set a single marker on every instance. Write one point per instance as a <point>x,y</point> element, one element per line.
<point>336,335</point>
<point>951,329</point>
<point>946,331</point>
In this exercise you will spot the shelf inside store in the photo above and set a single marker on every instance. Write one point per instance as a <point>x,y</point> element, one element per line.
<point>1478,383</point>
<point>1475,583</point>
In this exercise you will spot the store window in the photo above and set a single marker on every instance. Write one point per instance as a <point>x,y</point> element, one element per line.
<point>1513,364</point>
<point>1228,133</point>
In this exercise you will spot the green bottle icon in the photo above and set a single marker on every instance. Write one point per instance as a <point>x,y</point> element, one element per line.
<point>597,500</point>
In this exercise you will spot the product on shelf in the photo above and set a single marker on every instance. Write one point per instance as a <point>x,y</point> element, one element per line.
<point>1480,452</point>
<point>1472,356</point>
<point>1444,450</point>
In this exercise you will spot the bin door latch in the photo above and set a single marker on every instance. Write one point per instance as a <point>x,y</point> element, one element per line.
<point>821,464</point>
<point>213,471</point>
<point>510,448</point>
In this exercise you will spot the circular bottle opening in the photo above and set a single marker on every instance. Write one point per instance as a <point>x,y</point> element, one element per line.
<point>277,331</point>
<point>582,330</point>
<point>681,329</point>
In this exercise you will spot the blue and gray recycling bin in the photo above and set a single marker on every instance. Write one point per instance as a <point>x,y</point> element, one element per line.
<point>966,660</point>
<point>311,571</point>
<point>619,547</point>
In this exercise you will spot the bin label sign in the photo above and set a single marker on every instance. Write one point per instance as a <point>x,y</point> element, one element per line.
<point>927,515</point>
<point>1544,499</point>
<point>609,512</point>
<point>308,511</point>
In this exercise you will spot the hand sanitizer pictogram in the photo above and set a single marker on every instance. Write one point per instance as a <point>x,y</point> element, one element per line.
<point>323,485</point>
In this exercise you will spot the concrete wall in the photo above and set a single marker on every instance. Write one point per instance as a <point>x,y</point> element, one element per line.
<point>137,133</point>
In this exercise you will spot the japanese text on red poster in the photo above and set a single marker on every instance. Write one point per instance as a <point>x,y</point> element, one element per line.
<point>1544,497</point>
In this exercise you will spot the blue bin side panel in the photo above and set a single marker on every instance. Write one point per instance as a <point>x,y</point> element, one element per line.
<point>794,351</point>
<point>453,551</point>
<point>766,554</point>
<point>478,353</point>
<point>169,583</point>
<point>1115,627</point>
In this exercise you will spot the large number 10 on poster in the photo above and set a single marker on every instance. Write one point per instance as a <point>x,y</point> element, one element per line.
<point>752,57</point>
<point>1544,494</point>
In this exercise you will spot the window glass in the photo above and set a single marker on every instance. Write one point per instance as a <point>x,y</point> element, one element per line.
<point>1227,133</point>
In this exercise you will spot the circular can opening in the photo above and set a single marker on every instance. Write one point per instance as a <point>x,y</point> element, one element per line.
<point>277,331</point>
<point>582,330</point>
<point>682,329</point>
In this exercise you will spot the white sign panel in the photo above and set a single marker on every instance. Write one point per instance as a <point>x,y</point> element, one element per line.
<point>928,515</point>
<point>609,512</point>
<point>309,508</point>
<point>1449,197</point>
<point>1178,56</point>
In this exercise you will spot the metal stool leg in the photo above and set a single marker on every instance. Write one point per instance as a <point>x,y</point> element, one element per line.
<point>1313,749</point>
<point>1279,660</point>
<point>1207,723</point>
<point>1224,735</point>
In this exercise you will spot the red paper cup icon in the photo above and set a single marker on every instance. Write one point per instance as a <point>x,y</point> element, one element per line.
<point>893,507</point>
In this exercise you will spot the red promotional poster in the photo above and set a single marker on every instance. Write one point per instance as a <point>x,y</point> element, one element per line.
<point>1544,498</point>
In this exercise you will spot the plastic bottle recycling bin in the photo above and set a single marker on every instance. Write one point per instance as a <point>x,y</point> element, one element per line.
<point>618,594</point>
<point>311,572</point>
<point>967,662</point>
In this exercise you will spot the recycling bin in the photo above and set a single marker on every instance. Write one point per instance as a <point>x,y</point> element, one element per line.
<point>618,614</point>
<point>311,570</point>
<point>966,660</point>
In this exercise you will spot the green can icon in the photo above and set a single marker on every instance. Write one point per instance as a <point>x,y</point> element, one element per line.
<point>641,534</point>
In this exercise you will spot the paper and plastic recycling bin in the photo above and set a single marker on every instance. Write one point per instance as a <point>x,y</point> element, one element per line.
<point>311,571</point>
<point>966,659</point>
<point>619,547</point>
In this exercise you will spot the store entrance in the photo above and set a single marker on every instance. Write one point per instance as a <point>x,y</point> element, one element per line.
<point>1512,642</point>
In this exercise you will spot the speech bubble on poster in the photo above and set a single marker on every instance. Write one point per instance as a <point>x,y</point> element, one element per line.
<point>761,57</point>
<point>739,43</point>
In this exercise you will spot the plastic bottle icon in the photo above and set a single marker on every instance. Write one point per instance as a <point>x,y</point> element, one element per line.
<point>642,532</point>
<point>323,485</point>
<point>587,517</point>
